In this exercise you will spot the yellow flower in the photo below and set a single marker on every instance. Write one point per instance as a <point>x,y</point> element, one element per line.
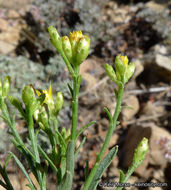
<point>48,98</point>
<point>76,47</point>
<point>76,35</point>
<point>48,95</point>
<point>124,60</point>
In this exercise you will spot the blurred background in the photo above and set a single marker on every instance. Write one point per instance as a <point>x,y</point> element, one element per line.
<point>139,29</point>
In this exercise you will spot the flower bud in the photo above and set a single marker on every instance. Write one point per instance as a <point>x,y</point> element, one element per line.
<point>130,71</point>
<point>55,38</point>
<point>74,39</point>
<point>66,45</point>
<point>43,118</point>
<point>140,152</point>
<point>29,98</point>
<point>59,101</point>
<point>110,72</point>
<point>120,66</point>
<point>6,86</point>
<point>36,114</point>
<point>16,103</point>
<point>124,60</point>
<point>83,48</point>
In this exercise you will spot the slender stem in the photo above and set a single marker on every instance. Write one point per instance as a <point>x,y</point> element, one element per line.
<point>76,86</point>
<point>128,174</point>
<point>32,135</point>
<point>34,146</point>
<point>70,69</point>
<point>107,139</point>
<point>70,158</point>
<point>13,128</point>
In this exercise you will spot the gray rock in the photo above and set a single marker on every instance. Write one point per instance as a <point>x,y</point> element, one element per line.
<point>156,154</point>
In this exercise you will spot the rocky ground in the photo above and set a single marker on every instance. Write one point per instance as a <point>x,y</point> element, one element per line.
<point>140,29</point>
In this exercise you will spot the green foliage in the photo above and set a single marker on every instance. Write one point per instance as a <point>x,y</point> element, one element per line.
<point>102,167</point>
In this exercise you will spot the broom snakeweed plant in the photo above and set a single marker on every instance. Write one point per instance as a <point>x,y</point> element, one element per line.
<point>39,107</point>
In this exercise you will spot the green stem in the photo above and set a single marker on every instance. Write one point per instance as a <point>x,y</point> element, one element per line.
<point>76,86</point>
<point>68,178</point>
<point>128,174</point>
<point>34,147</point>
<point>70,69</point>
<point>107,139</point>
<point>32,135</point>
<point>12,126</point>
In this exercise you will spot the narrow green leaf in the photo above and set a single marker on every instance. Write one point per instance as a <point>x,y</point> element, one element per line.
<point>108,114</point>
<point>102,167</point>
<point>79,147</point>
<point>129,107</point>
<point>4,118</point>
<point>66,183</point>
<point>62,139</point>
<point>117,122</point>
<point>7,160</point>
<point>116,93</point>
<point>16,103</point>
<point>84,128</point>
<point>23,170</point>
<point>5,178</point>
<point>3,184</point>
<point>28,155</point>
<point>70,89</point>
<point>86,170</point>
<point>122,176</point>
<point>45,156</point>
<point>70,156</point>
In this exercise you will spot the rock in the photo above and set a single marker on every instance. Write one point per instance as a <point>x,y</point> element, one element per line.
<point>162,58</point>
<point>155,155</point>
<point>92,65</point>
<point>138,68</point>
<point>164,61</point>
<point>12,14</point>
<point>159,175</point>
<point>155,6</point>
<point>9,35</point>
<point>91,81</point>
<point>132,102</point>
<point>116,14</point>
<point>158,60</point>
<point>3,24</point>
<point>150,109</point>
<point>134,136</point>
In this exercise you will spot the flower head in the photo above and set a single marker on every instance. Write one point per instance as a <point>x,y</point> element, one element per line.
<point>80,45</point>
<point>48,99</point>
<point>124,59</point>
<point>76,35</point>
<point>140,152</point>
<point>74,48</point>
<point>29,98</point>
<point>123,70</point>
